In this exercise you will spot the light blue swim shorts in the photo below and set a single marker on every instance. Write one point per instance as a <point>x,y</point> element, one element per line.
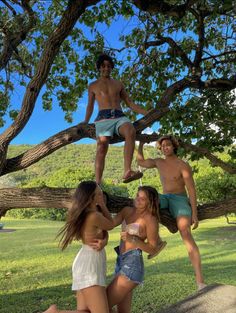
<point>109,127</point>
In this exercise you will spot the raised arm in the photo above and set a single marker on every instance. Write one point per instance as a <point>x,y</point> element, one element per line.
<point>190,185</point>
<point>120,216</point>
<point>90,106</point>
<point>148,163</point>
<point>128,101</point>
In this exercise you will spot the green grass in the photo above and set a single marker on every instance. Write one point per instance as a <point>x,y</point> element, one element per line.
<point>34,273</point>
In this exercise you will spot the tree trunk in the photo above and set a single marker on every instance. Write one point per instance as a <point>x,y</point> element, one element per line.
<point>15,198</point>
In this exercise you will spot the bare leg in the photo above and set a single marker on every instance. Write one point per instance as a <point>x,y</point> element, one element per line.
<point>117,292</point>
<point>53,309</point>
<point>125,305</point>
<point>96,299</point>
<point>184,224</point>
<point>127,131</point>
<point>89,300</point>
<point>102,148</point>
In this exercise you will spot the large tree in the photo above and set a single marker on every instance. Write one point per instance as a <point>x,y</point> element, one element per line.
<point>177,59</point>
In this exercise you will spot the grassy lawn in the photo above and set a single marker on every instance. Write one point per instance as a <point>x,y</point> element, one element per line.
<point>34,273</point>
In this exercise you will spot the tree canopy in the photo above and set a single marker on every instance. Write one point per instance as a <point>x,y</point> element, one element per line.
<point>176,59</point>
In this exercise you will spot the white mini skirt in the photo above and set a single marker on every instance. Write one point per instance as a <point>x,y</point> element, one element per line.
<point>89,268</point>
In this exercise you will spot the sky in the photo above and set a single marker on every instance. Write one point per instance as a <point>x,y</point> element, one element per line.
<point>44,124</point>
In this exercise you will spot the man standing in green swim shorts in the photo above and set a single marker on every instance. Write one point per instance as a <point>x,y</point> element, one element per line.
<point>176,177</point>
<point>111,120</point>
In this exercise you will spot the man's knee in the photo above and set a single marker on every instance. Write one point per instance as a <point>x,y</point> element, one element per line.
<point>129,132</point>
<point>185,231</point>
<point>102,146</point>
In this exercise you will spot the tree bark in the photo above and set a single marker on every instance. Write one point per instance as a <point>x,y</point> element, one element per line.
<point>15,198</point>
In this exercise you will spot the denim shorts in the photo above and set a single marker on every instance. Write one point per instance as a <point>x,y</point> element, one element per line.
<point>130,264</point>
<point>177,204</point>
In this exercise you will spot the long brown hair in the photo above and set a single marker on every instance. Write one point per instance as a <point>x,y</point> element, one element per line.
<point>76,215</point>
<point>153,198</point>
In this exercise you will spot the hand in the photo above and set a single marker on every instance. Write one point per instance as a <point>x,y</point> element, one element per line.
<point>83,122</point>
<point>100,201</point>
<point>125,236</point>
<point>195,221</point>
<point>98,244</point>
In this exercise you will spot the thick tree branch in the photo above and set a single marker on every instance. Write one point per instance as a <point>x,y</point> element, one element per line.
<point>74,10</point>
<point>175,48</point>
<point>179,11</point>
<point>73,134</point>
<point>47,147</point>
<point>159,6</point>
<point>201,40</point>
<point>218,55</point>
<point>11,198</point>
<point>204,152</point>
<point>220,83</point>
<point>66,24</point>
<point>9,7</point>
<point>81,131</point>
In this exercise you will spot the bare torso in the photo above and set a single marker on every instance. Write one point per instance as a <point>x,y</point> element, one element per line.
<point>107,93</point>
<point>90,232</point>
<point>171,175</point>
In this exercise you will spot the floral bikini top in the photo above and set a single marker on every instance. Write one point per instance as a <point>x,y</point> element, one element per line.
<point>132,229</point>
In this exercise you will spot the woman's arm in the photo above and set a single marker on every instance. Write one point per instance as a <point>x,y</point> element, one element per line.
<point>122,215</point>
<point>99,244</point>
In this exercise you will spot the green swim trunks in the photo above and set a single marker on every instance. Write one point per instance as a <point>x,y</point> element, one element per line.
<point>177,204</point>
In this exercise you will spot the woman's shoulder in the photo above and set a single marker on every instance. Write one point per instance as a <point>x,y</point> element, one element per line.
<point>149,218</point>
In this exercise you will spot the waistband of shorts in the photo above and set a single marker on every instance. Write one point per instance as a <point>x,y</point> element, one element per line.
<point>182,194</point>
<point>133,252</point>
<point>87,247</point>
<point>108,114</point>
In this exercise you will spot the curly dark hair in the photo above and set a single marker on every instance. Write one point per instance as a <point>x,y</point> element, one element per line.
<point>104,57</point>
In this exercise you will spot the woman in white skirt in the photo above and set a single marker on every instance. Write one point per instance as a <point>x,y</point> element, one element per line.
<point>87,220</point>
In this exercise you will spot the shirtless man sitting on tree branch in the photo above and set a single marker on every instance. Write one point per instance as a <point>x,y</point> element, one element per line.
<point>110,120</point>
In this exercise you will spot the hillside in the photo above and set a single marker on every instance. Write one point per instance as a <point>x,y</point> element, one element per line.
<point>69,165</point>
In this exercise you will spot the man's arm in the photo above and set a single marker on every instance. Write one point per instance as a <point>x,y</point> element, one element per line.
<point>190,185</point>
<point>128,101</point>
<point>148,163</point>
<point>90,106</point>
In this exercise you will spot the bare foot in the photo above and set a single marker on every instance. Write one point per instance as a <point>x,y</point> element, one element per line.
<point>132,175</point>
<point>200,286</point>
<point>52,309</point>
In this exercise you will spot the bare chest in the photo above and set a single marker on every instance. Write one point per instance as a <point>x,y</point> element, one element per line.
<point>170,172</point>
<point>111,89</point>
